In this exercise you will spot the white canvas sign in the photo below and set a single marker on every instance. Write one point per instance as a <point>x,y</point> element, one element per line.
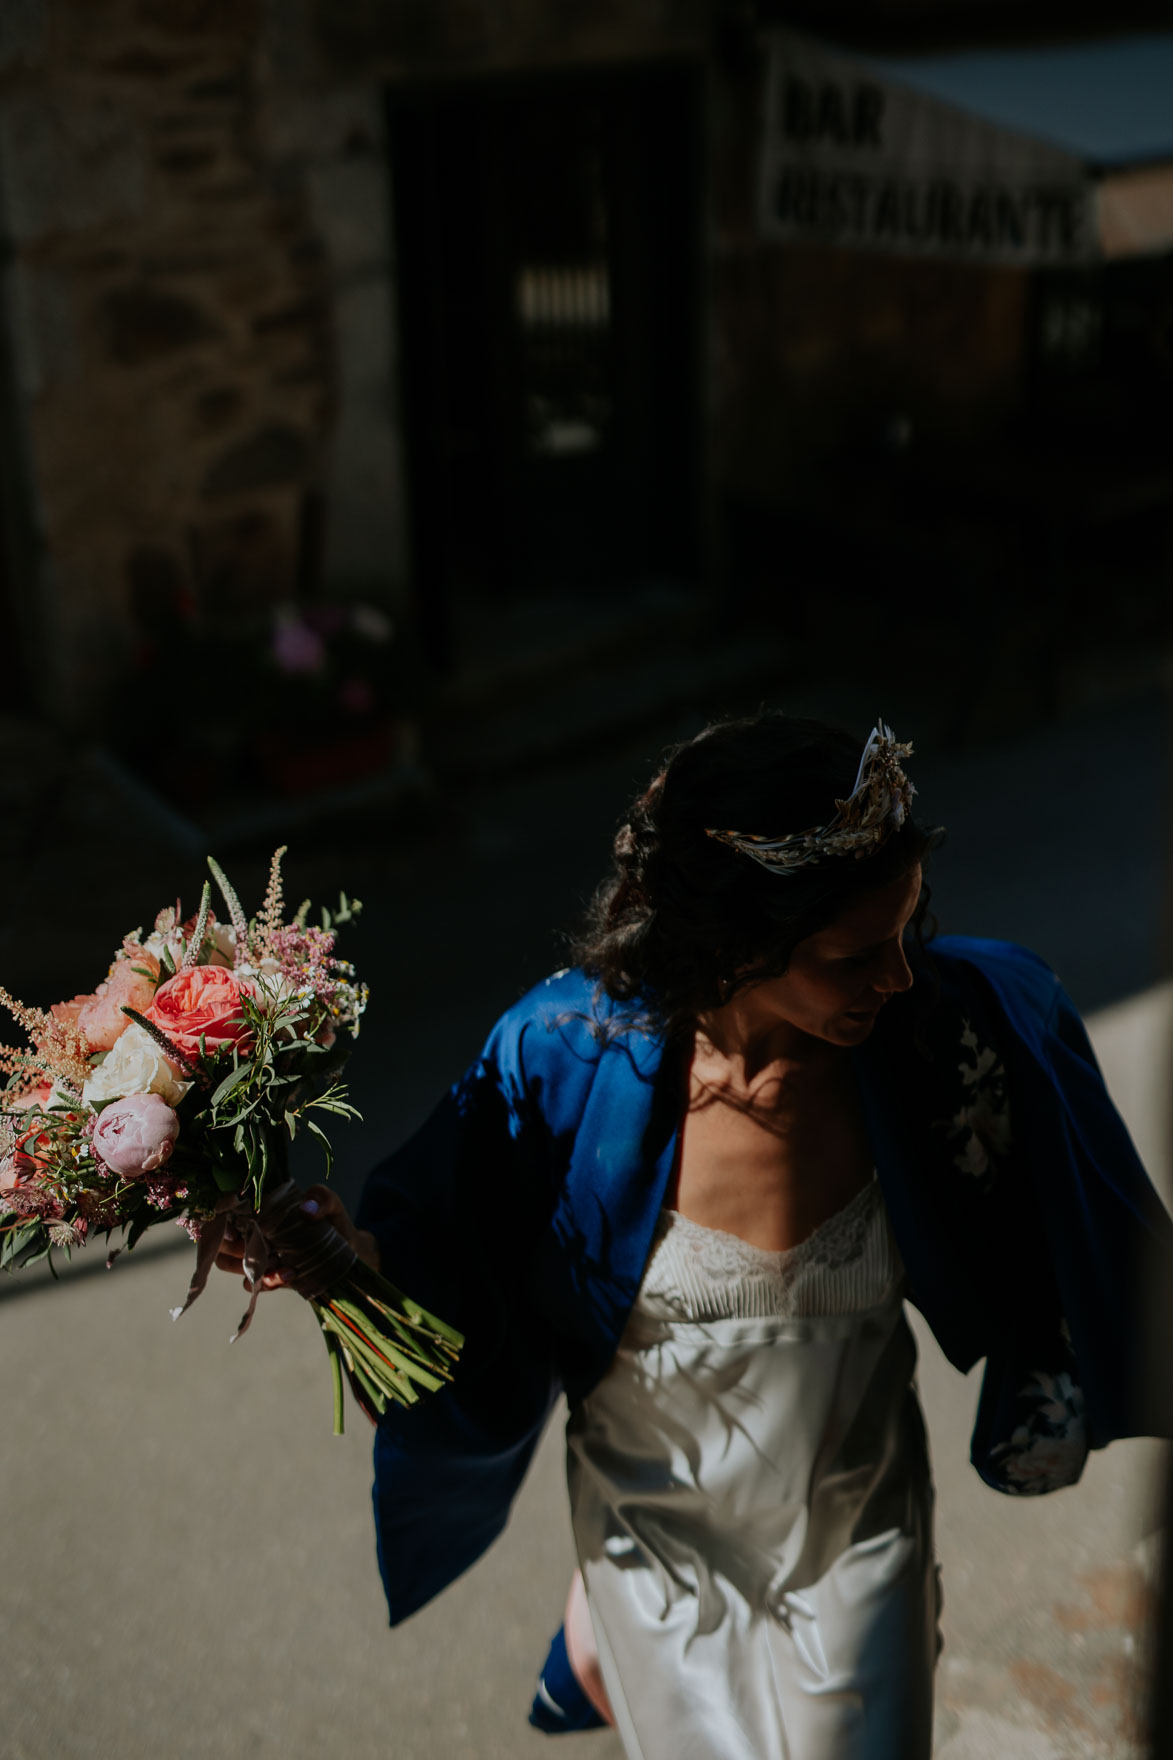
<point>849,159</point>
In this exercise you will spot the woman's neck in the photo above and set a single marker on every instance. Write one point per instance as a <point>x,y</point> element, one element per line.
<point>750,1040</point>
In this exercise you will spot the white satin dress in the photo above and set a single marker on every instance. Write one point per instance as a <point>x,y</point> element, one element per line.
<point>752,1502</point>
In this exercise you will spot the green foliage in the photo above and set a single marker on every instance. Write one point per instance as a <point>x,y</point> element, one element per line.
<point>199,934</point>
<point>238,1130</point>
<point>349,910</point>
<point>232,903</point>
<point>24,1244</point>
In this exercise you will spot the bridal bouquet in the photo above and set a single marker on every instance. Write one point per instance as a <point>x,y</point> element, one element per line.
<point>171,1093</point>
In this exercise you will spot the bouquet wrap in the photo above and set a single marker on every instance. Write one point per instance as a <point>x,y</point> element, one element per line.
<point>278,1236</point>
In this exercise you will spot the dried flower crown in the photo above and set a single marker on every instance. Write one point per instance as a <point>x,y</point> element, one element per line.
<point>876,807</point>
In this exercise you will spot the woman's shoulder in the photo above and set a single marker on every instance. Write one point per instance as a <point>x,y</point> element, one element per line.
<point>1021,979</point>
<point>567,998</point>
<point>547,1051</point>
<point>569,1018</point>
<point>569,987</point>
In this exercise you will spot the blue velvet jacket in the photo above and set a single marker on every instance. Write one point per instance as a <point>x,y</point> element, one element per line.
<point>523,1211</point>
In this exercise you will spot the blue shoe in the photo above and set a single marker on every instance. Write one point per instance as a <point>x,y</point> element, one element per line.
<point>560,1705</point>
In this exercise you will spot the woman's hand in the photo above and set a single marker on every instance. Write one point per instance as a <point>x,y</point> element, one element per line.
<point>327,1206</point>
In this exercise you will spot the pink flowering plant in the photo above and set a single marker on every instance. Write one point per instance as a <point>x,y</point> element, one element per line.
<point>171,1093</point>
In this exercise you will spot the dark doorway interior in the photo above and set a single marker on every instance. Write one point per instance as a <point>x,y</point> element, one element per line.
<point>548,255</point>
<point>19,611</point>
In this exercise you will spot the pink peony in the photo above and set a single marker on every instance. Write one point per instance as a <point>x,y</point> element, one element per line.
<point>136,1135</point>
<point>100,1018</point>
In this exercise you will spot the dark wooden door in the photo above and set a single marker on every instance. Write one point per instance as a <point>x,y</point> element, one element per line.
<point>548,257</point>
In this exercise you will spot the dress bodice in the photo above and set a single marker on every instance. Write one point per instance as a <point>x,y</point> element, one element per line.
<point>849,1263</point>
<point>750,1493</point>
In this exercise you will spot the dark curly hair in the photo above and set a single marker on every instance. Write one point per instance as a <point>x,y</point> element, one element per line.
<point>683,921</point>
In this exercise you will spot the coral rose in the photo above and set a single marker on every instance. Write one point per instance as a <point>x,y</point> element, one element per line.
<point>206,1001</point>
<point>136,1135</point>
<point>41,1097</point>
<point>66,1013</point>
<point>100,1018</point>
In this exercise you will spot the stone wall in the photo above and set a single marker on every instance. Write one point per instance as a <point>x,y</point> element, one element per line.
<point>199,296</point>
<point>421,39</point>
<point>188,290</point>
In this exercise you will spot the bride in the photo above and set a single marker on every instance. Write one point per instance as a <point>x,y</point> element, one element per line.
<point>690,1182</point>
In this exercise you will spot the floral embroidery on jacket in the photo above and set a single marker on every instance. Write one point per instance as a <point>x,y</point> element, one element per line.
<point>981,1125</point>
<point>1048,1447</point>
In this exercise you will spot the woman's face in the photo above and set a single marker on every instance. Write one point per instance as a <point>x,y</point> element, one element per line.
<point>839,979</point>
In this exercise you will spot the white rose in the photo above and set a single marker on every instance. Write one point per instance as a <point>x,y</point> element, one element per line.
<point>221,935</point>
<point>136,1065</point>
<point>271,987</point>
<point>223,939</point>
<point>157,944</point>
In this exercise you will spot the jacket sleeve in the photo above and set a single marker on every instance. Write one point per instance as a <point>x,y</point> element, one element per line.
<point>1111,1242</point>
<point>457,1212</point>
<point>1087,1377</point>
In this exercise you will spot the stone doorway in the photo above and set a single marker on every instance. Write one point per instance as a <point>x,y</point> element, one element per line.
<point>548,247</point>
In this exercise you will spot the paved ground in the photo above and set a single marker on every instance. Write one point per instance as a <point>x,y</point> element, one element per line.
<point>188,1566</point>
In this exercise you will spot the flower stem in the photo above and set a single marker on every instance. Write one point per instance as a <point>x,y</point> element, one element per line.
<point>335,1356</point>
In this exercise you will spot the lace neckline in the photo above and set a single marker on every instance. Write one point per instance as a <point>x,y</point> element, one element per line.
<point>842,1230</point>
<point>847,1264</point>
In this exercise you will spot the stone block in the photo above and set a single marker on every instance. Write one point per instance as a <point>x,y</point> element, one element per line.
<point>365,545</point>
<point>143,324</point>
<point>274,456</point>
<point>302,315</point>
<point>350,201</point>
<point>204,259</point>
<point>364,339</point>
<point>68,163</point>
<point>201,19</point>
<point>219,407</point>
<point>43,328</point>
<point>317,128</point>
<point>300,376</point>
<point>23,33</point>
<point>288,44</point>
<point>188,161</point>
<point>230,88</point>
<point>246,563</point>
<point>138,62</point>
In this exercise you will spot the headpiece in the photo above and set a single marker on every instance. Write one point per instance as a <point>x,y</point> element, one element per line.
<point>876,807</point>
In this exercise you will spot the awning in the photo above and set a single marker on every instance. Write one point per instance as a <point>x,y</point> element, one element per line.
<point>1044,156</point>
